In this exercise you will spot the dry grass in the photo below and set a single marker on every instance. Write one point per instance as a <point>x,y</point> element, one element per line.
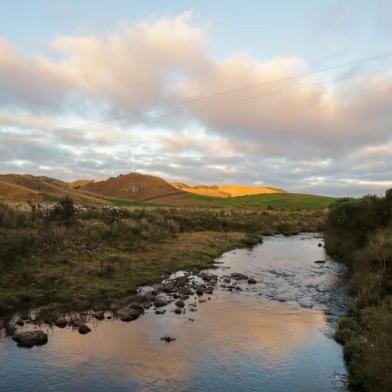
<point>94,256</point>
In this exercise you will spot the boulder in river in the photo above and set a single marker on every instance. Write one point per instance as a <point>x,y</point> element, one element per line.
<point>177,311</point>
<point>84,329</point>
<point>10,329</point>
<point>238,276</point>
<point>159,302</point>
<point>208,277</point>
<point>129,314</point>
<point>30,338</point>
<point>320,261</point>
<point>61,322</point>
<point>169,288</point>
<point>199,291</point>
<point>252,281</point>
<point>180,303</point>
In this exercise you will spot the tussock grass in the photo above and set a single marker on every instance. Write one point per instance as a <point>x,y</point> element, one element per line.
<point>360,232</point>
<point>81,256</point>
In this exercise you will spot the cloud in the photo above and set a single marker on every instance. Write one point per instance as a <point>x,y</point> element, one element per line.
<point>305,134</point>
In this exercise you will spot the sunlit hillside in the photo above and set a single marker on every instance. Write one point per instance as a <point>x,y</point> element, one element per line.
<point>226,190</point>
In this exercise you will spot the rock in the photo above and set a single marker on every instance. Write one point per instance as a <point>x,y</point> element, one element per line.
<point>185,291</point>
<point>159,302</point>
<point>226,280</point>
<point>168,338</point>
<point>128,314</point>
<point>20,322</point>
<point>320,261</point>
<point>160,311</point>
<point>84,329</point>
<point>209,290</point>
<point>208,277</point>
<point>238,276</point>
<point>181,281</point>
<point>30,338</point>
<point>252,281</point>
<point>177,311</point>
<point>169,288</point>
<point>199,291</point>
<point>10,329</point>
<point>61,322</point>
<point>319,244</point>
<point>238,288</point>
<point>202,301</point>
<point>180,303</point>
<point>191,319</point>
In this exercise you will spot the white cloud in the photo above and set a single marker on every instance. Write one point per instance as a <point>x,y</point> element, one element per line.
<point>301,134</point>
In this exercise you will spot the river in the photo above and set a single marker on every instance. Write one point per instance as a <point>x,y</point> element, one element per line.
<point>274,335</point>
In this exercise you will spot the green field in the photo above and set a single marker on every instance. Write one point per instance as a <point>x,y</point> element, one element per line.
<point>271,200</point>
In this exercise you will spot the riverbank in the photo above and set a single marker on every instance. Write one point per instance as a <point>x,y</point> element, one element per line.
<point>360,233</point>
<point>78,258</point>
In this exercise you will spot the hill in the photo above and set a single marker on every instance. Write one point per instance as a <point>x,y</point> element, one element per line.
<point>24,187</point>
<point>270,200</point>
<point>225,191</point>
<point>133,186</point>
<point>134,189</point>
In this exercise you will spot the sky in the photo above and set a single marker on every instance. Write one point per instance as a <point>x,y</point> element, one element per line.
<point>289,94</point>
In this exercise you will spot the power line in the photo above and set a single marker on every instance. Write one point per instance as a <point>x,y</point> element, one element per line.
<point>227,92</point>
<point>245,88</point>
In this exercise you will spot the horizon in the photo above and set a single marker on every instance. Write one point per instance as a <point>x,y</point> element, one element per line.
<point>296,96</point>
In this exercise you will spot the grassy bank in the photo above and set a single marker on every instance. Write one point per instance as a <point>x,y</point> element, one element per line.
<point>360,232</point>
<point>93,255</point>
<point>270,200</point>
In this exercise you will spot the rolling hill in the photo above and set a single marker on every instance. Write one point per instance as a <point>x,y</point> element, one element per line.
<point>133,186</point>
<point>226,190</point>
<point>25,187</point>
<point>134,189</point>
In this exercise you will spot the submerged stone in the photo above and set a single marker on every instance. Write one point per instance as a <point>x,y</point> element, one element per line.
<point>30,338</point>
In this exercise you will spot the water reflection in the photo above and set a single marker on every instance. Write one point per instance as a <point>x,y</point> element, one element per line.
<point>237,341</point>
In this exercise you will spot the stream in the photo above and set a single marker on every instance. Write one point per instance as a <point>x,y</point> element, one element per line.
<point>274,335</point>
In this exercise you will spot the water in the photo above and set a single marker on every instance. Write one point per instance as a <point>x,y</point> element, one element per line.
<point>271,336</point>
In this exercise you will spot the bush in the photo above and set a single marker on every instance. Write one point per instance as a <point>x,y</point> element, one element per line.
<point>360,231</point>
<point>63,211</point>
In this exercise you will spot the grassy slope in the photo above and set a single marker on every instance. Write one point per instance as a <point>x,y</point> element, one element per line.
<point>226,190</point>
<point>360,232</point>
<point>27,188</point>
<point>274,200</point>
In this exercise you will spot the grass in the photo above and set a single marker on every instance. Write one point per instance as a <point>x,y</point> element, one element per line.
<point>76,280</point>
<point>128,202</point>
<point>271,200</point>
<point>80,259</point>
<point>359,231</point>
